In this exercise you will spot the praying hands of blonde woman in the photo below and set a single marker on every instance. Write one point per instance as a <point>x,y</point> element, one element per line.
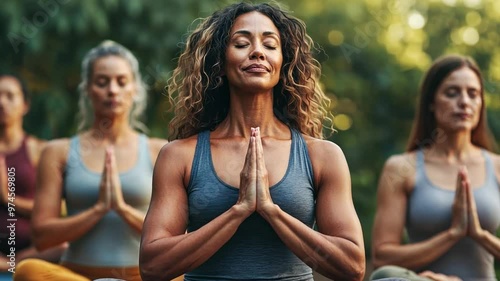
<point>110,191</point>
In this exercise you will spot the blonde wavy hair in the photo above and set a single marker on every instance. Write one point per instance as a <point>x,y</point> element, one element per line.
<point>200,95</point>
<point>106,48</point>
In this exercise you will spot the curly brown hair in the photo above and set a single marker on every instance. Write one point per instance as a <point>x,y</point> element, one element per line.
<point>200,95</point>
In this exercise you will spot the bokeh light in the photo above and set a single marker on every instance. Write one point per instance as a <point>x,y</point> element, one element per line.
<point>335,37</point>
<point>470,36</point>
<point>342,122</point>
<point>416,20</point>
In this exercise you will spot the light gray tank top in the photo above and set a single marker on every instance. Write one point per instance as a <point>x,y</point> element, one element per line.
<point>430,212</point>
<point>111,242</point>
<point>255,252</point>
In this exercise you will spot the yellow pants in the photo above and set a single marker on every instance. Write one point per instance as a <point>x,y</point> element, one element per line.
<point>40,270</point>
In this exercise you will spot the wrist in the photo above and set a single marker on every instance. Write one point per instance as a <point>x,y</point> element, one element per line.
<point>480,235</point>
<point>454,234</point>
<point>269,211</point>
<point>241,211</point>
<point>100,209</point>
<point>122,208</point>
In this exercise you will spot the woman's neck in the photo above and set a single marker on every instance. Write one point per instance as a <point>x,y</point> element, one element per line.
<point>456,147</point>
<point>11,137</point>
<point>110,131</point>
<point>253,110</point>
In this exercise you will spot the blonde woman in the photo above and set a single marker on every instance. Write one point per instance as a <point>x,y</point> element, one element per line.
<point>104,174</point>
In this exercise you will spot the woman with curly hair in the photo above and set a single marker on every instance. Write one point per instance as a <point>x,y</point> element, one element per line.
<point>247,174</point>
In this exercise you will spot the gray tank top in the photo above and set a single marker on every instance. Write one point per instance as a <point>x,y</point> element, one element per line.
<point>111,242</point>
<point>255,252</point>
<point>429,212</point>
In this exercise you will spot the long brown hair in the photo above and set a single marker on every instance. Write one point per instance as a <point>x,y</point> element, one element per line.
<point>424,131</point>
<point>200,95</point>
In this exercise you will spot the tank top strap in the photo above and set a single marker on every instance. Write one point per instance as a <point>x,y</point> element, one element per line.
<point>144,153</point>
<point>73,159</point>
<point>22,151</point>
<point>419,167</point>
<point>24,143</point>
<point>201,159</point>
<point>490,170</point>
<point>299,156</point>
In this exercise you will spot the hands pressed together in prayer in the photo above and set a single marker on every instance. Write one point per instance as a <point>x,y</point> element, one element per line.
<point>465,220</point>
<point>254,182</point>
<point>110,190</point>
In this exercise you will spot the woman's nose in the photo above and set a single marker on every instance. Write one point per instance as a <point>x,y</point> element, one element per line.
<point>257,53</point>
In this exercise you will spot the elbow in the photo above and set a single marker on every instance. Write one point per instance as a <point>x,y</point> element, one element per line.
<point>378,259</point>
<point>355,273</point>
<point>353,269</point>
<point>153,271</point>
<point>149,274</point>
<point>358,269</point>
<point>377,263</point>
<point>40,240</point>
<point>148,271</point>
<point>41,244</point>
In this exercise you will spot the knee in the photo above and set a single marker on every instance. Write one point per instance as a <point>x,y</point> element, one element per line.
<point>388,271</point>
<point>27,269</point>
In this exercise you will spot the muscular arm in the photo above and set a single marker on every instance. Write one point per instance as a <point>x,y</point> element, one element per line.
<point>392,197</point>
<point>336,250</point>
<point>49,229</point>
<point>166,250</point>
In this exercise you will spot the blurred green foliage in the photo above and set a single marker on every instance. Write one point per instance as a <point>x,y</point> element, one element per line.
<point>373,54</point>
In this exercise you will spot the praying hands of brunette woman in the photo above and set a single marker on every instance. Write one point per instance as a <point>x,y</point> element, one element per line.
<point>465,221</point>
<point>254,193</point>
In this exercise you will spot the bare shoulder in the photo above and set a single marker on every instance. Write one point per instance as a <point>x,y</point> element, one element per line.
<point>401,162</point>
<point>155,145</point>
<point>36,146</point>
<point>35,143</point>
<point>320,149</point>
<point>56,149</point>
<point>399,170</point>
<point>176,157</point>
<point>178,150</point>
<point>328,162</point>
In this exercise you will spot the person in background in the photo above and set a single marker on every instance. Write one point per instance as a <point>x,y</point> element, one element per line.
<point>445,188</point>
<point>104,173</point>
<point>19,156</point>
<point>247,175</point>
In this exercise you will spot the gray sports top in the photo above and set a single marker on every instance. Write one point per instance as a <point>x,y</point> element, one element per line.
<point>430,212</point>
<point>255,252</point>
<point>111,242</point>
